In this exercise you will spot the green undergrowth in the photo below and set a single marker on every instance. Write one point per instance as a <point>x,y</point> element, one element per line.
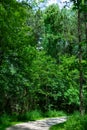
<point>7,120</point>
<point>37,114</point>
<point>54,113</point>
<point>4,126</point>
<point>31,116</point>
<point>74,122</point>
<point>58,127</point>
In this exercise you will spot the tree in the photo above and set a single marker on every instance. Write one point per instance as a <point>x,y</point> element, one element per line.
<point>59,31</point>
<point>14,48</point>
<point>79,6</point>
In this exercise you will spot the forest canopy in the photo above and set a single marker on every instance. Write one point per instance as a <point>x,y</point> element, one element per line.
<point>43,57</point>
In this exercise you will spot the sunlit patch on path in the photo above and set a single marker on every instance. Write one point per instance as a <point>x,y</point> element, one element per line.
<point>38,125</point>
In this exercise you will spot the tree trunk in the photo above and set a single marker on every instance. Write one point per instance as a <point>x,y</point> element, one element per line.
<point>80,64</point>
<point>86,31</point>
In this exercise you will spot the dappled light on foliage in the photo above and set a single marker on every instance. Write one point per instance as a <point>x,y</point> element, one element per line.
<point>43,59</point>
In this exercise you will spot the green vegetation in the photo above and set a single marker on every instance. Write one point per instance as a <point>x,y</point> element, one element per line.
<point>43,59</point>
<point>31,116</point>
<point>74,122</point>
<point>54,113</point>
<point>58,127</point>
<point>6,121</point>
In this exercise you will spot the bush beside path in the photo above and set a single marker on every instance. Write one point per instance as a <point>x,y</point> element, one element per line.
<point>44,124</point>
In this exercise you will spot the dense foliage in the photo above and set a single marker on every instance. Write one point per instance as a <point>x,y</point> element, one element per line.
<point>39,66</point>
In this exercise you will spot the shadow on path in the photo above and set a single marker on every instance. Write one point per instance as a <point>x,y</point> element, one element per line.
<point>38,125</point>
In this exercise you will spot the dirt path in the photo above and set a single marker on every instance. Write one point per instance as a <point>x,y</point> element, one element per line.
<point>38,125</point>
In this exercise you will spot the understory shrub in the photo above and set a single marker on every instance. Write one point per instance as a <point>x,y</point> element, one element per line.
<point>54,113</point>
<point>84,122</point>
<point>30,116</point>
<point>73,123</point>
<point>34,115</point>
<point>76,122</point>
<point>22,117</point>
<point>58,127</point>
<point>5,119</point>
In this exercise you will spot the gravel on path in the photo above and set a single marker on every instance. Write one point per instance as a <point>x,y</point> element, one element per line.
<point>44,124</point>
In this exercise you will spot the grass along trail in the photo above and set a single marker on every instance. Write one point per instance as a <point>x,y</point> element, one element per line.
<point>44,124</point>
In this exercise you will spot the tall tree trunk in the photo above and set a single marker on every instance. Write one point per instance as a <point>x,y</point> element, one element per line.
<point>86,31</point>
<point>80,64</point>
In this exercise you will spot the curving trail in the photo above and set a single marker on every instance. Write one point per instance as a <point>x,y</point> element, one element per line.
<point>44,124</point>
